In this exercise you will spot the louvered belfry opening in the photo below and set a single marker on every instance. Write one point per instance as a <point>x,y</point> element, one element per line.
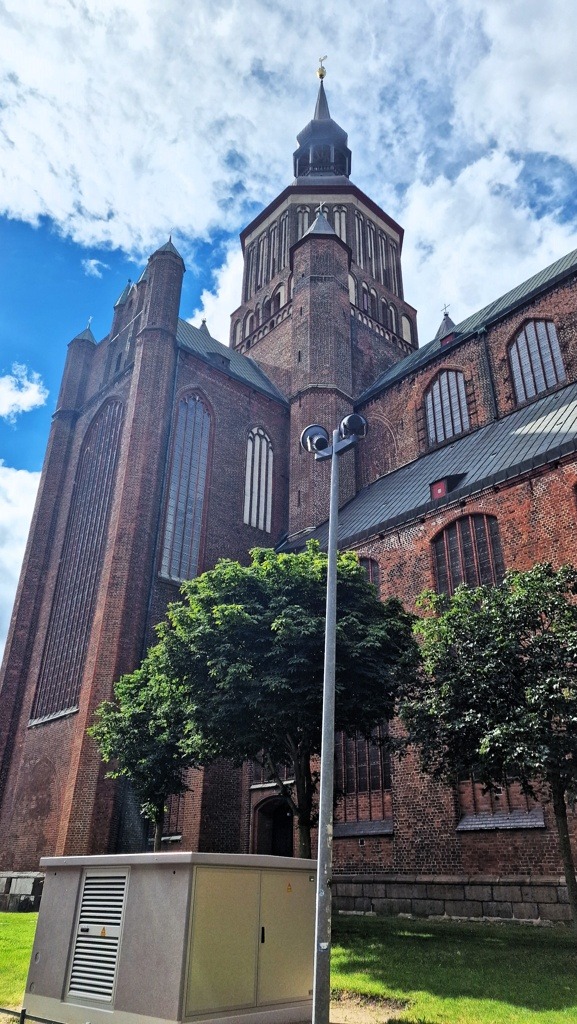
<point>97,941</point>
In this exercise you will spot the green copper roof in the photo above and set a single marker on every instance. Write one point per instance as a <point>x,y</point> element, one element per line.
<point>198,341</point>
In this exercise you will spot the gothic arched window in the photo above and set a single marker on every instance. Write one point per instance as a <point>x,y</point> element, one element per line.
<point>360,239</point>
<point>468,551</point>
<point>406,329</point>
<point>303,215</point>
<point>536,360</point>
<point>340,216</point>
<point>446,407</point>
<point>353,291</point>
<point>186,489</point>
<point>68,632</point>
<point>258,480</point>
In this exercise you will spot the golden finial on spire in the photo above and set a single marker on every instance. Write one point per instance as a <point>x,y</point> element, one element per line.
<point>321,72</point>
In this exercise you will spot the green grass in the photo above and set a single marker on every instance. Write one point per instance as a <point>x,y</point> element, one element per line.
<point>456,973</point>
<point>16,938</point>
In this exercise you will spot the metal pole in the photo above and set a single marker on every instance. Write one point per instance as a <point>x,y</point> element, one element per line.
<point>322,961</point>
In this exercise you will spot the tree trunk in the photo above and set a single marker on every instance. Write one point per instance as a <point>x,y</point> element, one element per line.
<point>304,798</point>
<point>560,810</point>
<point>158,828</point>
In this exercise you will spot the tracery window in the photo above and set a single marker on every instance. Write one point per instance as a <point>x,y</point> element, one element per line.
<point>68,632</point>
<point>446,407</point>
<point>186,490</point>
<point>361,764</point>
<point>536,360</point>
<point>468,551</point>
<point>258,480</point>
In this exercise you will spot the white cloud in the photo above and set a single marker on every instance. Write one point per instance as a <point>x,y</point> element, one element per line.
<point>217,305</point>
<point>20,391</point>
<point>472,239</point>
<point>94,268</point>
<point>18,490</point>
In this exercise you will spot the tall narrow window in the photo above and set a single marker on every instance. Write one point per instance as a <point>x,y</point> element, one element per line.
<point>371,245</point>
<point>340,225</point>
<point>383,262</point>
<point>446,407</point>
<point>302,220</point>
<point>373,571</point>
<point>394,270</point>
<point>258,480</point>
<point>186,489</point>
<point>284,242</point>
<point>78,576</point>
<point>468,551</point>
<point>249,272</point>
<point>536,360</point>
<point>360,239</point>
<point>406,329</point>
<point>273,251</point>
<point>261,261</point>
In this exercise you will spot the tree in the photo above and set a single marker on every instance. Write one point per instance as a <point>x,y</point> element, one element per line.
<point>248,643</point>
<point>148,733</point>
<point>497,697</point>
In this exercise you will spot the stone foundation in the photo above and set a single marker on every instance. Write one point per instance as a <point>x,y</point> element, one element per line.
<point>21,890</point>
<point>533,899</point>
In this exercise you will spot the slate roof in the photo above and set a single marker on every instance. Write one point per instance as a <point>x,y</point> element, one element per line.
<point>478,322</point>
<point>530,437</point>
<point>242,368</point>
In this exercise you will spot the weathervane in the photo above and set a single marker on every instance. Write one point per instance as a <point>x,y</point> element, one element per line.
<point>321,72</point>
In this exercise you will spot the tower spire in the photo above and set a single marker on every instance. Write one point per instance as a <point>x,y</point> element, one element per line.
<point>323,151</point>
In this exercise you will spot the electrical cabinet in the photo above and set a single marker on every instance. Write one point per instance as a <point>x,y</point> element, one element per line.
<point>173,938</point>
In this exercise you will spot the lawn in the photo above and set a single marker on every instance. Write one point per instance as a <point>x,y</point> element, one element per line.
<point>16,938</point>
<point>437,972</point>
<point>414,972</point>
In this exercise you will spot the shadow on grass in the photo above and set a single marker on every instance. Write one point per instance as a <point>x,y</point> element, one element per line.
<point>533,968</point>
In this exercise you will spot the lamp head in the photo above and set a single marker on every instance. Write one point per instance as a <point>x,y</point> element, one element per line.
<point>314,439</point>
<point>353,424</point>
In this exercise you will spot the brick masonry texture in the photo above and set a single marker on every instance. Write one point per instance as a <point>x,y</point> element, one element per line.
<point>323,339</point>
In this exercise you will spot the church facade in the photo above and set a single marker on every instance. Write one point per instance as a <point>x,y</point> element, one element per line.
<point>169,450</point>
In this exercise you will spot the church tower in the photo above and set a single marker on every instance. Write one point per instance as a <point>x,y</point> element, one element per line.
<point>323,310</point>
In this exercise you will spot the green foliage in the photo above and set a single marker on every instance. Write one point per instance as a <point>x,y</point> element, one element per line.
<point>498,696</point>
<point>248,643</point>
<point>148,734</point>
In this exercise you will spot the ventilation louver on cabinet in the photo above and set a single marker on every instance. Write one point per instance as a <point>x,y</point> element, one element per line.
<point>95,957</point>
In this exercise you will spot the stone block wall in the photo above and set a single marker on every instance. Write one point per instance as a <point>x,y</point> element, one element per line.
<point>533,899</point>
<point>21,891</point>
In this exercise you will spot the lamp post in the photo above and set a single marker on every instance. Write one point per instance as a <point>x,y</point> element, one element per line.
<point>315,439</point>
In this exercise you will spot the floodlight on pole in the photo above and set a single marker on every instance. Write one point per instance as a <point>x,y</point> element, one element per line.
<point>315,440</point>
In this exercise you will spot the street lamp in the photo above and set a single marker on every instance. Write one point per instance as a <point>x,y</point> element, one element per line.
<point>315,439</point>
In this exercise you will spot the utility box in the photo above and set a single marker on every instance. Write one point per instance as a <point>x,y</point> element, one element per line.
<point>169,937</point>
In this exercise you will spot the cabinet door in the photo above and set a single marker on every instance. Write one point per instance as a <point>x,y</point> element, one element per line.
<point>287,919</point>
<point>224,940</point>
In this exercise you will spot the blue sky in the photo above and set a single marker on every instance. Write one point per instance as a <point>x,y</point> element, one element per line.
<point>122,121</point>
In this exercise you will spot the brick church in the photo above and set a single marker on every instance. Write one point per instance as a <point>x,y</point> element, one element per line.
<point>169,450</point>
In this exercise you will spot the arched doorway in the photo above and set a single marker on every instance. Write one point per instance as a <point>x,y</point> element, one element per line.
<point>273,828</point>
